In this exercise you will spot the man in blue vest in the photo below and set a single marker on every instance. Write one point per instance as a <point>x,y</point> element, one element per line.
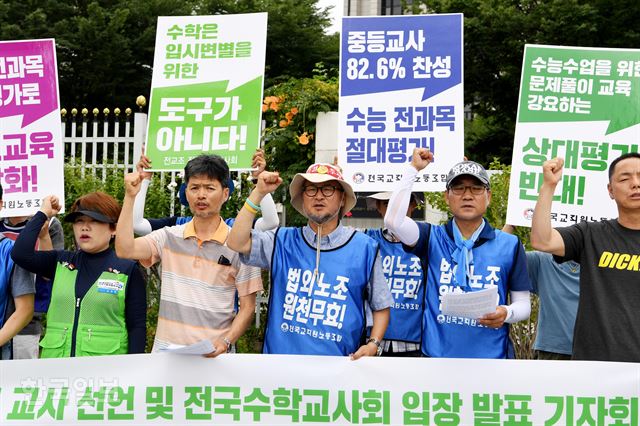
<point>17,292</point>
<point>464,255</point>
<point>321,274</point>
<point>404,275</point>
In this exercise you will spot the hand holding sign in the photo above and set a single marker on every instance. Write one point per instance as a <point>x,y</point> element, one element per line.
<point>421,158</point>
<point>552,170</point>
<point>258,163</point>
<point>144,163</point>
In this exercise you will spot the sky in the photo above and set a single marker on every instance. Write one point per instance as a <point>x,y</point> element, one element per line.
<point>336,13</point>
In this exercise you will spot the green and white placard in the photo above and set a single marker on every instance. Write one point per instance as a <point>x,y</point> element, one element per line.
<point>582,104</point>
<point>206,89</point>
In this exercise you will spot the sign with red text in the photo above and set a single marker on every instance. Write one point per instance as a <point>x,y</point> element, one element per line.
<point>31,150</point>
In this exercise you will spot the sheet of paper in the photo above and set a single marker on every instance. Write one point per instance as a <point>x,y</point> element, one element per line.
<point>470,305</point>
<point>202,347</point>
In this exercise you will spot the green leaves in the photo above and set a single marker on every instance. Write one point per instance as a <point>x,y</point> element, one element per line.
<point>290,110</point>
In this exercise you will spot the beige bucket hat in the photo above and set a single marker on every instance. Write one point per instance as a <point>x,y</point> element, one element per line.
<point>318,173</point>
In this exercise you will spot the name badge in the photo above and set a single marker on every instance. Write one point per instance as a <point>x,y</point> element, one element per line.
<point>110,286</point>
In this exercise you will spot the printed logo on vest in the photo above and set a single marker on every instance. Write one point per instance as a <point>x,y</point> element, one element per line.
<point>110,286</point>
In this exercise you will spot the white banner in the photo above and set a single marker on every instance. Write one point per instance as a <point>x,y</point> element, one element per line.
<point>275,389</point>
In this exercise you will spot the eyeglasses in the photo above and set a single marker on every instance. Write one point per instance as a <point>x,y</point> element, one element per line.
<point>327,191</point>
<point>461,189</point>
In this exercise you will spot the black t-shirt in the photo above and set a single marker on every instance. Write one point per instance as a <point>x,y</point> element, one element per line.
<point>607,325</point>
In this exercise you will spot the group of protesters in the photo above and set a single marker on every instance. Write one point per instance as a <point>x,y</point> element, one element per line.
<point>334,290</point>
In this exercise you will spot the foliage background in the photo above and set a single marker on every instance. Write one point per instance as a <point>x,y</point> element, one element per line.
<point>105,47</point>
<point>495,32</point>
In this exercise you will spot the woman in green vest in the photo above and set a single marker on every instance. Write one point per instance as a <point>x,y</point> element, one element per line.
<point>98,301</point>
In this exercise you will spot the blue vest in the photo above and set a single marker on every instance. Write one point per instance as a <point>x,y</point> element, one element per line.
<point>5,276</point>
<point>43,285</point>
<point>404,275</point>
<point>324,316</point>
<point>456,337</point>
<point>181,220</point>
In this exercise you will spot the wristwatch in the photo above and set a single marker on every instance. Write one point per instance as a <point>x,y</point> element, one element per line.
<point>377,343</point>
<point>228,343</point>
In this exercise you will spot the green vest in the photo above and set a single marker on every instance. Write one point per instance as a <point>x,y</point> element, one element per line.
<point>101,327</point>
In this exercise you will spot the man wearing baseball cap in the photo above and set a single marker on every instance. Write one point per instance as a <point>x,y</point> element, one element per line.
<point>321,274</point>
<point>404,274</point>
<point>464,255</point>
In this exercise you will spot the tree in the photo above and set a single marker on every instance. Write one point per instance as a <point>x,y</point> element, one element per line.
<point>290,110</point>
<point>105,48</point>
<point>296,38</point>
<point>495,32</point>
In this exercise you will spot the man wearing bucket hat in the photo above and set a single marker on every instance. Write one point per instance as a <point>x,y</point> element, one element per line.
<point>464,255</point>
<point>404,273</point>
<point>321,273</point>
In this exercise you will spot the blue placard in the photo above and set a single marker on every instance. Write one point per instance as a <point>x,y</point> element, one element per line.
<point>404,52</point>
<point>400,88</point>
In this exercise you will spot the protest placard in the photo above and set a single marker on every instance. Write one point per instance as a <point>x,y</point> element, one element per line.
<point>400,88</point>
<point>206,92</point>
<point>32,150</point>
<point>582,104</point>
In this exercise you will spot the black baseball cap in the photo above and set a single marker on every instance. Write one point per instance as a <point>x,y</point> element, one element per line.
<point>71,217</point>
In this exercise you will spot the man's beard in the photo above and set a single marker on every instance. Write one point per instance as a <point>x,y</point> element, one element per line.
<point>320,219</point>
<point>203,214</point>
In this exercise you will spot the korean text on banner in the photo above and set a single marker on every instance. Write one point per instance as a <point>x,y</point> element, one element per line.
<point>400,89</point>
<point>32,153</point>
<point>206,90</point>
<point>582,104</point>
<point>312,390</point>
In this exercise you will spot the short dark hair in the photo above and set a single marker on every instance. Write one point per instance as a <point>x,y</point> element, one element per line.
<point>615,162</point>
<point>212,166</point>
<point>0,192</point>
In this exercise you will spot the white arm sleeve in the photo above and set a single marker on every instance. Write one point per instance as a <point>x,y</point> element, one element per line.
<point>520,307</point>
<point>269,219</point>
<point>141,226</point>
<point>396,220</point>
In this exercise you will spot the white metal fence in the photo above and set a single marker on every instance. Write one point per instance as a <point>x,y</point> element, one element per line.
<point>99,142</point>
